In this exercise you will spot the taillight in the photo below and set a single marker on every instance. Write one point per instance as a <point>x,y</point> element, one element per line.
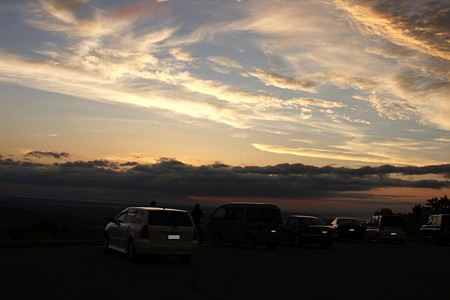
<point>143,234</point>
<point>195,235</point>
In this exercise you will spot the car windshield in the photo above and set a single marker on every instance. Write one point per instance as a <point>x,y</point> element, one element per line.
<point>391,221</point>
<point>346,221</point>
<point>264,215</point>
<point>311,221</point>
<point>169,218</point>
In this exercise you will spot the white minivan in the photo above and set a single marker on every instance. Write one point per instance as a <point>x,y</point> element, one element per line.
<point>152,230</point>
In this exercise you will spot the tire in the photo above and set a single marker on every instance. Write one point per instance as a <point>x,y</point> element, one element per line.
<point>131,251</point>
<point>436,239</point>
<point>185,259</point>
<point>105,243</point>
<point>296,242</point>
<point>326,245</point>
<point>216,239</point>
<point>237,244</point>
<point>421,239</point>
<point>271,246</point>
<point>250,242</point>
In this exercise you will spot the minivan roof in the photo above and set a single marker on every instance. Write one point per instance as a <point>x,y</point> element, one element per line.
<point>303,216</point>
<point>249,204</point>
<point>154,208</point>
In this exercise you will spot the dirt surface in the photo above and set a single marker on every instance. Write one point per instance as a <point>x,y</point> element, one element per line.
<point>346,271</point>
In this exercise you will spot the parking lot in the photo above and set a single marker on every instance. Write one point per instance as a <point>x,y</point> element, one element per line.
<point>346,271</point>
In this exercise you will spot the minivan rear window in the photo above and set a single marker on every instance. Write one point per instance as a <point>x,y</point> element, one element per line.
<point>391,221</point>
<point>169,218</point>
<point>264,215</point>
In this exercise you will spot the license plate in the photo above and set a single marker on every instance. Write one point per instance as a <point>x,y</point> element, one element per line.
<point>273,231</point>
<point>173,236</point>
<point>393,233</point>
<point>324,232</point>
<point>351,229</point>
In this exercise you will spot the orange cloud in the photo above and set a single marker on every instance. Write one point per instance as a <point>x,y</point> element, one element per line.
<point>137,9</point>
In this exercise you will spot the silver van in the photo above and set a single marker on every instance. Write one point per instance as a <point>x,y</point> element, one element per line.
<point>388,227</point>
<point>151,230</point>
<point>250,224</point>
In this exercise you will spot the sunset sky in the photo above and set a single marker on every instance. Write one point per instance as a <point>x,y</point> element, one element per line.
<point>225,86</point>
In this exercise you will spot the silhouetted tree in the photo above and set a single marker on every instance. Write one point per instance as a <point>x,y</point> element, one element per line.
<point>416,218</point>
<point>440,206</point>
<point>413,221</point>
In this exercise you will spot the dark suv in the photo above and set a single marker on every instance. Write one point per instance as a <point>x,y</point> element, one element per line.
<point>249,224</point>
<point>437,229</point>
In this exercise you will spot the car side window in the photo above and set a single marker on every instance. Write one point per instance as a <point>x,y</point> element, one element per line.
<point>436,221</point>
<point>373,221</point>
<point>294,222</point>
<point>235,213</point>
<point>138,217</point>
<point>129,217</point>
<point>219,214</point>
<point>121,218</point>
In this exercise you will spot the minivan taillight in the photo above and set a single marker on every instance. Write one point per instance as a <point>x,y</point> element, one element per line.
<point>143,234</point>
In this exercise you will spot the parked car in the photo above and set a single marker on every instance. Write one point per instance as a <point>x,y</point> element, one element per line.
<point>299,230</point>
<point>151,230</point>
<point>349,229</point>
<point>437,229</point>
<point>250,224</point>
<point>387,227</point>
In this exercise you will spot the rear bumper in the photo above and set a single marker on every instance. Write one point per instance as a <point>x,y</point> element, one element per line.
<point>391,236</point>
<point>315,238</point>
<point>146,247</point>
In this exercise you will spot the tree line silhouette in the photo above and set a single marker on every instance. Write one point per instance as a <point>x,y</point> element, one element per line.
<point>419,214</point>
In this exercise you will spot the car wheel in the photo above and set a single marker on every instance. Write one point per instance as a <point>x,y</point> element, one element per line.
<point>377,239</point>
<point>325,245</point>
<point>271,246</point>
<point>105,243</point>
<point>185,259</point>
<point>436,239</point>
<point>131,251</point>
<point>216,239</point>
<point>250,242</point>
<point>421,239</point>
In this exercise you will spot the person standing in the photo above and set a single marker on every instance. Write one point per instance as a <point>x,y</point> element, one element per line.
<point>197,215</point>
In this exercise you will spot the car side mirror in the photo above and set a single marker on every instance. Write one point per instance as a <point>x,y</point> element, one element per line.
<point>111,220</point>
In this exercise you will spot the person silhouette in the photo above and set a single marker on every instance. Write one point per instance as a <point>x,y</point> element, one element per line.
<point>197,215</point>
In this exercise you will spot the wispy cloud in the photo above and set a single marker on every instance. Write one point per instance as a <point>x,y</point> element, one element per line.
<point>419,25</point>
<point>46,134</point>
<point>360,151</point>
<point>357,57</point>
<point>270,78</point>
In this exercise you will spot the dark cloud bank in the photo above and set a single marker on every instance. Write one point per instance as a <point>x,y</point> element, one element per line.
<point>173,177</point>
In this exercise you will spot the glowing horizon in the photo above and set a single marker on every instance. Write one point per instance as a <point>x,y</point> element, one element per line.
<point>336,83</point>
